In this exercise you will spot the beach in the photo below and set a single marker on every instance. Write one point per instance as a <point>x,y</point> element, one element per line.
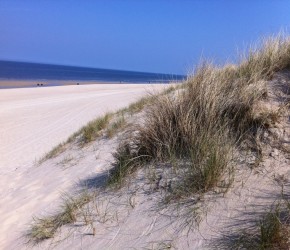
<point>33,120</point>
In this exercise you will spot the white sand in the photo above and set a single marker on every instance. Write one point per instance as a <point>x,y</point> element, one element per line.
<point>33,121</point>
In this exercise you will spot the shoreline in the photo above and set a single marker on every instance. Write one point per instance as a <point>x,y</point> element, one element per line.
<point>15,84</point>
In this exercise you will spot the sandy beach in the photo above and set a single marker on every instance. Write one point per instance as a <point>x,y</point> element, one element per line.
<point>33,120</point>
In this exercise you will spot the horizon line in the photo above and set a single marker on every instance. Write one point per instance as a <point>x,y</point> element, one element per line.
<point>88,67</point>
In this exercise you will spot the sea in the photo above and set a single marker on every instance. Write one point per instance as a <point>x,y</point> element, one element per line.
<point>36,71</point>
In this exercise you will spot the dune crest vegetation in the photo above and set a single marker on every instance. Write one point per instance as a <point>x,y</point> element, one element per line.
<point>202,124</point>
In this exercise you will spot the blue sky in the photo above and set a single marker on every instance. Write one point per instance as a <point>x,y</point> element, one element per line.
<point>163,36</point>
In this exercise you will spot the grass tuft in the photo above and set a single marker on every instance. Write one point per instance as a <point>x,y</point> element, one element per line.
<point>139,105</point>
<point>92,129</point>
<point>45,228</point>
<point>126,163</point>
<point>116,126</point>
<point>272,233</point>
<point>60,148</point>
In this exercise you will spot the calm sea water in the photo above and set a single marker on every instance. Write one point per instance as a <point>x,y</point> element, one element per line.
<point>35,71</point>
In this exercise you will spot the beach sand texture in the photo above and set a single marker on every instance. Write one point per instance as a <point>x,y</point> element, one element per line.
<point>33,121</point>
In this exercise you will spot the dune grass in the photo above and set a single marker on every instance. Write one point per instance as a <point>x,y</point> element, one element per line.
<point>52,153</point>
<point>138,105</point>
<point>125,163</point>
<point>262,61</point>
<point>273,234</point>
<point>87,134</point>
<point>116,126</point>
<point>202,123</point>
<point>272,231</point>
<point>46,227</point>
<point>91,131</point>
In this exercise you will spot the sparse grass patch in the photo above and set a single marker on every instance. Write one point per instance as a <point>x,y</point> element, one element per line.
<point>273,234</point>
<point>116,126</point>
<point>41,230</point>
<point>60,148</point>
<point>73,136</point>
<point>67,159</point>
<point>45,228</point>
<point>92,129</point>
<point>88,133</point>
<point>136,107</point>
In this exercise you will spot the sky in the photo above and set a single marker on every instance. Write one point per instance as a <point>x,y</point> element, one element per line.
<point>162,36</point>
